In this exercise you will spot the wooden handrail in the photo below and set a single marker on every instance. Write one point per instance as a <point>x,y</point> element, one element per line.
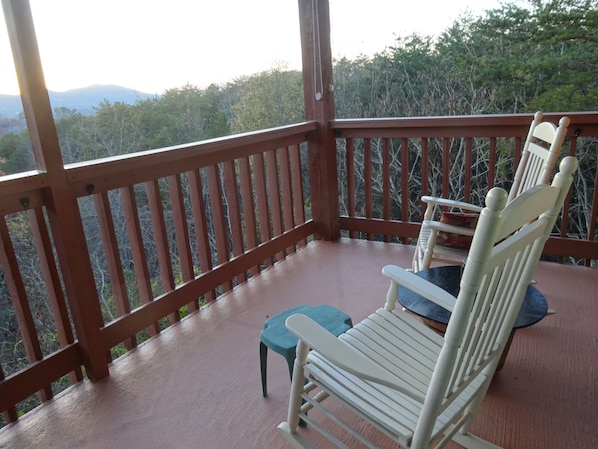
<point>492,125</point>
<point>114,172</point>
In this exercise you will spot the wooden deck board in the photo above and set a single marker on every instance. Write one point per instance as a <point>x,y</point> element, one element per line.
<point>198,384</point>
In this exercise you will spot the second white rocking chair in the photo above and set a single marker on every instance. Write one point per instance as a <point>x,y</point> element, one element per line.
<point>538,160</point>
<point>416,387</point>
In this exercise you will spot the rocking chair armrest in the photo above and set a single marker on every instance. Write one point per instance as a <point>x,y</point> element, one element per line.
<point>445,202</point>
<point>341,354</point>
<point>443,227</point>
<point>437,295</point>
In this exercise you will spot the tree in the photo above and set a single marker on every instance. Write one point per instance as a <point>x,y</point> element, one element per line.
<point>16,153</point>
<point>187,114</point>
<point>269,99</point>
<point>540,57</point>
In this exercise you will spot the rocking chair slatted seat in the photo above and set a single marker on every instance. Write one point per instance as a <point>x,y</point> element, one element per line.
<point>538,160</point>
<point>411,384</point>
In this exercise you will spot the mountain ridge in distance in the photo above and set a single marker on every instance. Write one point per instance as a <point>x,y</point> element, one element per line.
<point>83,100</point>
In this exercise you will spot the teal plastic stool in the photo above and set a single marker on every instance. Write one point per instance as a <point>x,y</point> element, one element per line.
<point>276,336</point>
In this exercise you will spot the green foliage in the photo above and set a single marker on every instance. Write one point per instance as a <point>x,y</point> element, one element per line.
<point>513,59</point>
<point>16,153</point>
<point>269,99</point>
<point>541,58</point>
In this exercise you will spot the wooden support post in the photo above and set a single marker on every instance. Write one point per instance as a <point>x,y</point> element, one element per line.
<point>314,22</point>
<point>62,208</point>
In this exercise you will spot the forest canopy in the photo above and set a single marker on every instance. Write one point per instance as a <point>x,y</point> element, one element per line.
<point>513,59</point>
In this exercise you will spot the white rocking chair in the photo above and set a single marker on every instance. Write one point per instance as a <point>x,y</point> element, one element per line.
<point>539,157</point>
<point>414,386</point>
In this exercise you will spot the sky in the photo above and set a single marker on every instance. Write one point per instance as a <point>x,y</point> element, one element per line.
<point>151,45</point>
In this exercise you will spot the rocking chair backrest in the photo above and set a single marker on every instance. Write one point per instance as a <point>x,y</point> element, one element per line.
<point>505,251</point>
<point>540,154</point>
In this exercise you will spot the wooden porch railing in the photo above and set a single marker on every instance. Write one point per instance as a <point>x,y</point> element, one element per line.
<point>189,222</point>
<point>186,223</point>
<point>385,164</point>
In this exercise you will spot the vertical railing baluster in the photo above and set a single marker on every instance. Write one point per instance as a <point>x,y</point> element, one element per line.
<point>367,181</point>
<point>219,226</point>
<point>297,188</point>
<point>404,183</point>
<point>161,240</point>
<point>386,200</point>
<point>181,230</point>
<point>198,207</point>
<point>593,217</point>
<point>234,211</point>
<point>468,165</point>
<point>492,163</point>
<point>248,208</point>
<point>425,172</point>
<point>567,204</point>
<point>113,261</point>
<point>137,250</point>
<point>287,196</point>
<point>446,167</point>
<point>517,153</point>
<point>262,201</point>
<point>350,157</point>
<point>274,191</point>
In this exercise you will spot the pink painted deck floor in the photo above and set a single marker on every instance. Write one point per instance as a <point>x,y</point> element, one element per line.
<point>197,385</point>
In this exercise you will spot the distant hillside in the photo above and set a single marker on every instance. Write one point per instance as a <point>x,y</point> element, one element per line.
<point>83,100</point>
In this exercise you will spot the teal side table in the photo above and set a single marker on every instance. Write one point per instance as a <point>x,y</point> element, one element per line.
<point>276,336</point>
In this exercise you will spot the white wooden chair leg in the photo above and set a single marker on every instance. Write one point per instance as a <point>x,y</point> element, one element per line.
<point>297,386</point>
<point>473,408</point>
<point>296,439</point>
<point>289,429</point>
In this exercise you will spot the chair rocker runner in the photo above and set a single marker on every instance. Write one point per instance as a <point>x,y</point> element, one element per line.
<point>538,160</point>
<point>415,387</point>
